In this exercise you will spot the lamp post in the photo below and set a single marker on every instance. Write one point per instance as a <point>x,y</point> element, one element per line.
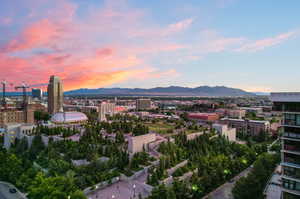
<point>134,186</point>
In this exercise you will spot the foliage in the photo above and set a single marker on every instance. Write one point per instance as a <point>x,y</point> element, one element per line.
<point>252,186</point>
<point>41,116</point>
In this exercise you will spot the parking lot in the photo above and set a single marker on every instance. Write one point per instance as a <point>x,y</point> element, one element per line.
<point>5,193</point>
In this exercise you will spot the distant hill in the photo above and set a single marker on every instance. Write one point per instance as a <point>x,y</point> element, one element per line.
<point>216,91</point>
<point>262,93</point>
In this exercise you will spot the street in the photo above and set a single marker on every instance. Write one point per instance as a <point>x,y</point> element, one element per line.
<point>224,191</point>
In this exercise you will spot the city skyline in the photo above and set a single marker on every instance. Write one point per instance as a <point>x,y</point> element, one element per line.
<point>131,43</point>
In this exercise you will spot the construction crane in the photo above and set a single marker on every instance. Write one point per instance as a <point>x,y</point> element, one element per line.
<point>24,87</point>
<point>4,89</point>
<point>3,93</point>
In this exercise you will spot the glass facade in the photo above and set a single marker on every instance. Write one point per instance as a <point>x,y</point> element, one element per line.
<point>291,172</point>
<point>290,184</point>
<point>292,119</point>
<point>289,104</point>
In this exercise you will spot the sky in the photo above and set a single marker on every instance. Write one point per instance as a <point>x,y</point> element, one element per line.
<point>253,45</point>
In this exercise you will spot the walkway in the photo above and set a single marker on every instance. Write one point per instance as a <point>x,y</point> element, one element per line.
<point>124,190</point>
<point>224,191</point>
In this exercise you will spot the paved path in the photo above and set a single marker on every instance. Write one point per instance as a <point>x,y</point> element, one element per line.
<point>123,190</point>
<point>224,191</point>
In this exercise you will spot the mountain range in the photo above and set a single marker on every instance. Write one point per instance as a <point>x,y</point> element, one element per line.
<point>216,91</point>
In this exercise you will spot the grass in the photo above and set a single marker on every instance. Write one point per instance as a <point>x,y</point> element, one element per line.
<point>160,127</point>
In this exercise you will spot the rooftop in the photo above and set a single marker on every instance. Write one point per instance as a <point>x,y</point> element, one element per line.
<point>285,97</point>
<point>68,117</point>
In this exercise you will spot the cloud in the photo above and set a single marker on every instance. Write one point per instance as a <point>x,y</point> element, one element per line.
<point>6,21</point>
<point>43,33</point>
<point>265,43</point>
<point>94,50</point>
<point>178,27</point>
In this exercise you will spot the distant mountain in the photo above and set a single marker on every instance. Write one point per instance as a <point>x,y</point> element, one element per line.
<point>262,93</point>
<point>164,91</point>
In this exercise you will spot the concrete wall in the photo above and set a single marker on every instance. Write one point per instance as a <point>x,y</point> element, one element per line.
<point>136,143</point>
<point>194,135</point>
<point>223,130</point>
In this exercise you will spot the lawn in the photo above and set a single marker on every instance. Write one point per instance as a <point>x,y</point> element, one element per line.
<point>160,127</point>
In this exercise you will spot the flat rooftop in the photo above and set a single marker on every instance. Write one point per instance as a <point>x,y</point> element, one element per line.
<point>285,97</point>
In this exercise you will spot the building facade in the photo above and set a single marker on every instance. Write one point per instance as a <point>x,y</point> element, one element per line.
<point>236,113</point>
<point>139,143</point>
<point>37,93</point>
<point>250,127</point>
<point>224,130</point>
<point>143,104</point>
<point>17,116</point>
<point>106,108</point>
<point>289,104</point>
<point>207,117</point>
<point>55,95</point>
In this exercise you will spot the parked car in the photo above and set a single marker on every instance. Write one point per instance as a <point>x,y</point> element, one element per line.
<point>12,190</point>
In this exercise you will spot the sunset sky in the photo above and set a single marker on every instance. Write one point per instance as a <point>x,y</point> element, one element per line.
<point>248,44</point>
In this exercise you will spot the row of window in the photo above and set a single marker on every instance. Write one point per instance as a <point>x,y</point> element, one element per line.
<point>292,119</point>
<point>292,185</point>
<point>291,172</point>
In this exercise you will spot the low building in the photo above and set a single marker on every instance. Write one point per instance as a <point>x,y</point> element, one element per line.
<point>224,130</point>
<point>81,108</point>
<point>69,118</point>
<point>143,104</point>
<point>139,143</point>
<point>16,131</point>
<point>251,127</point>
<point>17,116</point>
<point>207,117</point>
<point>236,113</point>
<point>256,110</point>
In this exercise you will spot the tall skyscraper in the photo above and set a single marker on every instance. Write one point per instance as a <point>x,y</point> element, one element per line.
<point>55,95</point>
<point>289,104</point>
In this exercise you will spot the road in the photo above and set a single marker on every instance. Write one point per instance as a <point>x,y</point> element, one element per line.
<point>123,190</point>
<point>5,194</point>
<point>224,191</point>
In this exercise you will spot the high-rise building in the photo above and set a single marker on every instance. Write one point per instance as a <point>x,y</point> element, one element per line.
<point>106,108</point>
<point>289,104</point>
<point>143,104</point>
<point>37,93</point>
<point>55,95</point>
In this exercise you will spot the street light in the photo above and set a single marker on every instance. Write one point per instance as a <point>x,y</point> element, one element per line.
<point>113,196</point>
<point>134,186</point>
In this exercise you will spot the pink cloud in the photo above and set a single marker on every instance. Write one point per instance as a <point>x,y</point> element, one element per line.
<point>43,33</point>
<point>6,21</point>
<point>72,52</point>
<point>265,43</point>
<point>178,27</point>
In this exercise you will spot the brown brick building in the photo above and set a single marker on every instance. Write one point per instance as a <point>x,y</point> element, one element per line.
<point>17,116</point>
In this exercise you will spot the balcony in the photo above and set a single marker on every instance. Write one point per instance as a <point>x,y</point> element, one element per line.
<point>291,162</point>
<point>291,135</point>
<point>290,172</point>
<point>293,148</point>
<point>291,122</point>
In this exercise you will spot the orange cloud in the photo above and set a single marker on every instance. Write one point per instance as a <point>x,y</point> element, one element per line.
<point>58,43</point>
<point>42,33</point>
